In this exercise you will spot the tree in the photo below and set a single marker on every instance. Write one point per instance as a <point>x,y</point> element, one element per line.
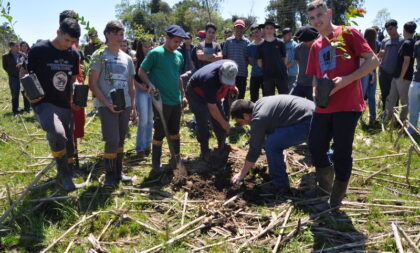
<point>382,16</point>
<point>211,6</point>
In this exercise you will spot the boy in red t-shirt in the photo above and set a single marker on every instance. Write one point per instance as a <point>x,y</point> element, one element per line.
<point>338,120</point>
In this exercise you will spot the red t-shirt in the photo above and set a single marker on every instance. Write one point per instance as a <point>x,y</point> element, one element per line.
<point>322,59</point>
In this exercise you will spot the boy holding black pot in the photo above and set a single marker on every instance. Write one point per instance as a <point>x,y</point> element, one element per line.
<point>111,81</point>
<point>337,119</point>
<point>56,66</point>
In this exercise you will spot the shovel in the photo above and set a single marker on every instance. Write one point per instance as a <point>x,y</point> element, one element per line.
<point>180,171</point>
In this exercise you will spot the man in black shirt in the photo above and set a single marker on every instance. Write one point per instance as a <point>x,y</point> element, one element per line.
<point>11,63</point>
<point>403,73</point>
<point>207,87</point>
<point>271,55</point>
<point>56,66</point>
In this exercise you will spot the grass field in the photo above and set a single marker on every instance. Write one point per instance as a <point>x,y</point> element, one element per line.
<point>140,217</point>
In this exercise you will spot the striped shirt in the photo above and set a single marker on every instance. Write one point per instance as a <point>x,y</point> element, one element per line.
<point>236,50</point>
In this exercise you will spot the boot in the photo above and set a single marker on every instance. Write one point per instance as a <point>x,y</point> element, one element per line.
<point>64,175</point>
<point>177,146</point>
<point>156,155</point>
<point>324,178</point>
<point>110,172</point>
<point>338,192</point>
<point>120,174</point>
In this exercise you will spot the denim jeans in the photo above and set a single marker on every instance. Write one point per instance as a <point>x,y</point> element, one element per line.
<point>145,121</point>
<point>269,86</point>
<point>339,127</point>
<point>399,90</point>
<point>369,91</point>
<point>14,84</point>
<point>414,103</point>
<point>290,82</point>
<point>276,143</point>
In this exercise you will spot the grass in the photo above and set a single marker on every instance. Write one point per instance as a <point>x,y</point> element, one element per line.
<point>33,231</point>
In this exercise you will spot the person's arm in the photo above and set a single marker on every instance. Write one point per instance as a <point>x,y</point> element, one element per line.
<point>4,60</point>
<point>371,62</point>
<point>132,94</point>
<point>240,175</point>
<point>285,60</point>
<point>314,85</point>
<point>215,113</point>
<point>145,78</point>
<point>218,56</point>
<point>405,65</point>
<point>204,57</point>
<point>72,105</point>
<point>93,86</point>
<point>260,63</point>
<point>181,88</point>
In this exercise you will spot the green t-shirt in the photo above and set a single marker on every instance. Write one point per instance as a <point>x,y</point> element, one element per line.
<point>164,69</point>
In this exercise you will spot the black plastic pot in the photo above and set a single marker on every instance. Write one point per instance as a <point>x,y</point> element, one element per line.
<point>118,99</point>
<point>32,87</point>
<point>324,88</point>
<point>80,95</point>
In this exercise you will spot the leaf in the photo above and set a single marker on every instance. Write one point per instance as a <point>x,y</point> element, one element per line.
<point>346,56</point>
<point>342,49</point>
<point>340,37</point>
<point>354,22</point>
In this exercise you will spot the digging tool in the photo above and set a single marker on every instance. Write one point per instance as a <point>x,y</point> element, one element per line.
<point>180,171</point>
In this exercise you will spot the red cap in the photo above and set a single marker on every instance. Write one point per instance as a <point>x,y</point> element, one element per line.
<point>239,22</point>
<point>201,34</point>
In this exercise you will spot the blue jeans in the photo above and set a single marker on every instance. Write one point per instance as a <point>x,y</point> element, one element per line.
<point>369,91</point>
<point>414,103</point>
<point>145,121</point>
<point>281,139</point>
<point>290,81</point>
<point>339,127</point>
<point>14,84</point>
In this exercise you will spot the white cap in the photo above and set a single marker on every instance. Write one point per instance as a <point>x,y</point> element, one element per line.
<point>229,70</point>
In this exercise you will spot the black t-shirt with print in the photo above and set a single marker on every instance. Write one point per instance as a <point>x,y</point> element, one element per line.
<point>416,75</point>
<point>208,49</point>
<point>54,69</point>
<point>406,49</point>
<point>272,54</point>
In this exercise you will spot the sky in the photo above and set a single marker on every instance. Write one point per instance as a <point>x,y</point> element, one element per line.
<point>38,19</point>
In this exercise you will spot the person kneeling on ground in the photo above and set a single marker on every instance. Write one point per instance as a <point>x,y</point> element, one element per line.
<point>277,122</point>
<point>207,87</point>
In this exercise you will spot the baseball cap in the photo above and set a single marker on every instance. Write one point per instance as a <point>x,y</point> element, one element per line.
<point>229,70</point>
<point>239,22</point>
<point>201,34</point>
<point>177,31</point>
<point>286,31</point>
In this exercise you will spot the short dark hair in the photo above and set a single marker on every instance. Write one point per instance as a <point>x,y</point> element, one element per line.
<point>12,44</point>
<point>67,14</point>
<point>228,30</point>
<point>71,27</point>
<point>113,26</point>
<point>239,107</point>
<point>376,28</point>
<point>24,43</point>
<point>391,22</point>
<point>316,4</point>
<point>210,25</point>
<point>410,27</point>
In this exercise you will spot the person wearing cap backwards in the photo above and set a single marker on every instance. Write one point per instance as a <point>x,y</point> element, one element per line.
<point>292,67</point>
<point>235,49</point>
<point>338,120</point>
<point>161,70</point>
<point>205,90</point>
<point>271,57</point>
<point>277,123</point>
<point>306,35</point>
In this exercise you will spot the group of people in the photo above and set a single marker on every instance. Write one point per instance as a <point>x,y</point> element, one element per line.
<point>211,79</point>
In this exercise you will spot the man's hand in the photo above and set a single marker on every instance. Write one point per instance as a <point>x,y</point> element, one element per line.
<point>75,107</point>
<point>226,127</point>
<point>237,178</point>
<point>152,91</point>
<point>339,83</point>
<point>133,116</point>
<point>111,107</point>
<point>184,102</point>
<point>234,92</point>
<point>33,101</point>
